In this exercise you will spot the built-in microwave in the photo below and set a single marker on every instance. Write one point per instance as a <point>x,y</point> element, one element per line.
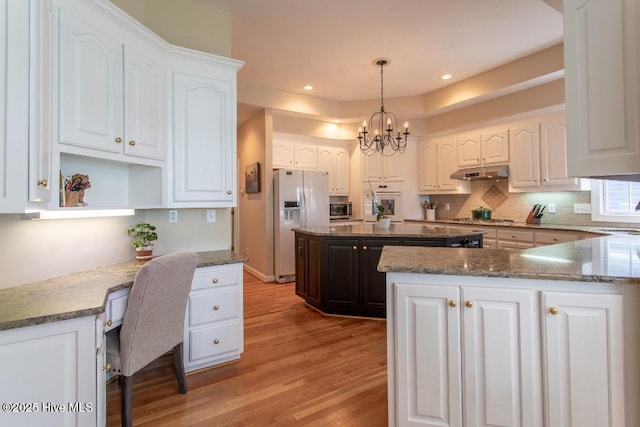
<point>340,210</point>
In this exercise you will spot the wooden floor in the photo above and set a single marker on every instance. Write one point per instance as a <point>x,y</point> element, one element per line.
<point>299,368</point>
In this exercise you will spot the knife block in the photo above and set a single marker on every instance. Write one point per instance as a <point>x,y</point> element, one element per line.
<point>533,220</point>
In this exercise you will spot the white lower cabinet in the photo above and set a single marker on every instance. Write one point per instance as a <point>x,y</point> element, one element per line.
<point>213,325</point>
<point>49,374</point>
<point>507,352</point>
<point>584,360</point>
<point>465,356</point>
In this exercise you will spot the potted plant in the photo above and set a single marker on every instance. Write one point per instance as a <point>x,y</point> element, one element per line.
<point>383,221</point>
<point>143,234</point>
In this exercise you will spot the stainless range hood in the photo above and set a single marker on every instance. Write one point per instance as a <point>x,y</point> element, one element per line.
<point>483,173</point>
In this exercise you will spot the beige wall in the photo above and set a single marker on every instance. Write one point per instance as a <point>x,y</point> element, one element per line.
<point>255,210</point>
<point>187,23</point>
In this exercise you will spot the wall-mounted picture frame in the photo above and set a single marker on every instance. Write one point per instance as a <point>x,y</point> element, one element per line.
<point>252,178</point>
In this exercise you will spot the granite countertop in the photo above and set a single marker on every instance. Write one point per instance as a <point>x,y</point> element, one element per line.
<point>583,228</point>
<point>609,259</point>
<point>395,230</point>
<point>79,294</point>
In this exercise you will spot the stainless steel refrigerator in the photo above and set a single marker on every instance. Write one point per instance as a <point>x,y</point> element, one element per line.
<point>301,199</point>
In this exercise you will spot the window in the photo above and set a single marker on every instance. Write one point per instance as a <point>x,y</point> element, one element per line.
<point>615,201</point>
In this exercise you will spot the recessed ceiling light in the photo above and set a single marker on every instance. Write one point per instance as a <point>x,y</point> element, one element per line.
<point>308,87</point>
<point>446,76</point>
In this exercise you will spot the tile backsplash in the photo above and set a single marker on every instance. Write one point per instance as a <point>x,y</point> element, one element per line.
<point>516,206</point>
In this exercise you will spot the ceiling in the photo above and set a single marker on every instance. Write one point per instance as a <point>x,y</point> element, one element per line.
<point>331,44</point>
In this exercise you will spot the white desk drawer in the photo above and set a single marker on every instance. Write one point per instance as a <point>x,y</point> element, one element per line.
<point>116,306</point>
<point>213,306</point>
<point>212,277</point>
<point>214,341</point>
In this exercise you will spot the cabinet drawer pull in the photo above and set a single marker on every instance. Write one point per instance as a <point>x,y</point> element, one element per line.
<point>354,247</point>
<point>554,311</point>
<point>364,248</point>
<point>216,308</point>
<point>229,192</point>
<point>43,183</point>
<point>118,140</point>
<point>453,304</point>
<point>469,304</point>
<point>216,341</point>
<point>107,323</point>
<point>215,280</point>
<point>132,142</point>
<point>107,367</point>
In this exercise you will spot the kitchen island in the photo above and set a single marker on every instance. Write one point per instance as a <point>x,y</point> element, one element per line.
<point>542,336</point>
<point>336,266</point>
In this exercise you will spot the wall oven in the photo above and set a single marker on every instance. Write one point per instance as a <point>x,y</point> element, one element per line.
<point>392,202</point>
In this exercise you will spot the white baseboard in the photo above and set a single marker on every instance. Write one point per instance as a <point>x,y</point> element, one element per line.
<point>258,274</point>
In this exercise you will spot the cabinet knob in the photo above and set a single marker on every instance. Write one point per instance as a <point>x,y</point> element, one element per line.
<point>469,304</point>
<point>43,183</point>
<point>216,308</point>
<point>107,323</point>
<point>118,140</point>
<point>132,142</point>
<point>354,247</point>
<point>216,341</point>
<point>453,304</point>
<point>215,280</point>
<point>229,192</point>
<point>107,367</point>
<point>554,311</point>
<point>364,248</point>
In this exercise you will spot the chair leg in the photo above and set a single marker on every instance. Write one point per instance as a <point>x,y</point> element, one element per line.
<point>125,400</point>
<point>178,364</point>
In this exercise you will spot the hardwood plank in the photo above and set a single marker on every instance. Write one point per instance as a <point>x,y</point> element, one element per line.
<point>299,368</point>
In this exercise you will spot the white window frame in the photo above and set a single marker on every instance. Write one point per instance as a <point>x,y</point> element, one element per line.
<point>598,205</point>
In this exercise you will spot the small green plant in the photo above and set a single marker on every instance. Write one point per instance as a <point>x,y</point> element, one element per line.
<point>380,213</point>
<point>143,234</point>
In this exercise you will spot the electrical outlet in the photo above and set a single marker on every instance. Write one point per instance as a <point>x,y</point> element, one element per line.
<point>581,208</point>
<point>551,208</point>
<point>173,216</point>
<point>447,206</point>
<point>211,215</point>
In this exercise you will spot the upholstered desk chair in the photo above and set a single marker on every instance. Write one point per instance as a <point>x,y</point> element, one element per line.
<point>153,322</point>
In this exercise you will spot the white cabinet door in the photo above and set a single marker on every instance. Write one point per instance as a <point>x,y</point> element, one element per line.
<point>525,156</point>
<point>90,85</point>
<point>14,103</point>
<point>429,380</point>
<point>446,158</point>
<point>495,147</point>
<point>145,105</point>
<point>602,62</point>
<point>383,168</point>
<point>501,357</point>
<point>553,152</point>
<point>372,167</point>
<point>203,140</point>
<point>584,360</point>
<point>51,364</point>
<point>305,156</point>
<point>427,166</point>
<point>283,154</point>
<point>469,150</point>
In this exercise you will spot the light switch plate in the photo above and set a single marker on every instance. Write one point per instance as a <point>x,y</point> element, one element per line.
<point>173,216</point>
<point>211,215</point>
<point>551,208</point>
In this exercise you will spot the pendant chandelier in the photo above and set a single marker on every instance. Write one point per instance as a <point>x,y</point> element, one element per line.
<point>380,135</point>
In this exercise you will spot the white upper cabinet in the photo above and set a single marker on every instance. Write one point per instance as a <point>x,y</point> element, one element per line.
<point>109,100</point>
<point>294,152</point>
<point>602,64</point>
<point>383,168</point>
<point>335,160</point>
<point>539,156</point>
<point>485,148</point>
<point>437,160</point>
<point>14,108</point>
<point>202,170</point>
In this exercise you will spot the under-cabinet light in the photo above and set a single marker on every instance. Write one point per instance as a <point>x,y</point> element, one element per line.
<point>79,213</point>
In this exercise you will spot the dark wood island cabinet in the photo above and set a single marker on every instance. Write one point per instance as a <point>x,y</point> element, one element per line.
<point>337,266</point>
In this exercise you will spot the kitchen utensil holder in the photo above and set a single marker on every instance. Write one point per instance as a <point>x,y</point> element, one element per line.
<point>430,214</point>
